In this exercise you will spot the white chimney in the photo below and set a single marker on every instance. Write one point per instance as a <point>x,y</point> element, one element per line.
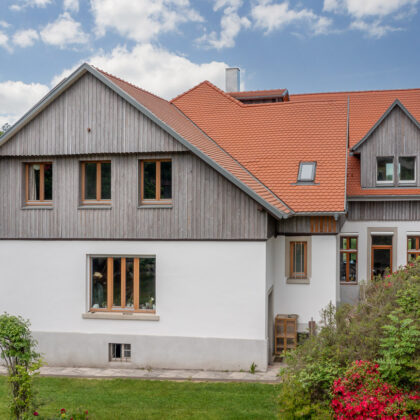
<point>233,79</point>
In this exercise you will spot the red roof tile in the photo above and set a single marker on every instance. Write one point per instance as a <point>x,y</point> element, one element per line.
<point>270,140</point>
<point>365,109</point>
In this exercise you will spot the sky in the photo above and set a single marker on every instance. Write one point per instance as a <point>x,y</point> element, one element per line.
<point>168,46</point>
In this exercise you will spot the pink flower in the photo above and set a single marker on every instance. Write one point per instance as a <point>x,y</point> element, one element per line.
<point>36,413</point>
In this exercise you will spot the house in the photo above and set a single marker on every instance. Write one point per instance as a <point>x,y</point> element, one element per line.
<point>141,232</point>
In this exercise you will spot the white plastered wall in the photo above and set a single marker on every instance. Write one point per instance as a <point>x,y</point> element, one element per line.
<point>307,300</point>
<point>204,289</point>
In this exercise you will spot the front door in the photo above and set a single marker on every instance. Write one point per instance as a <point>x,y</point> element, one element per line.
<point>381,254</point>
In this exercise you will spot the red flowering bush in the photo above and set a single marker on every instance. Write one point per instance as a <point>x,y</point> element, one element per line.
<point>362,394</point>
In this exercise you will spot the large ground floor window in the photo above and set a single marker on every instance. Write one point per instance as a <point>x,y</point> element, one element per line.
<point>123,284</point>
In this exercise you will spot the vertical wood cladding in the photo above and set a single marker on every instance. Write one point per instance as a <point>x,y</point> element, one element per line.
<point>396,136</point>
<point>115,126</point>
<point>384,210</point>
<point>205,205</point>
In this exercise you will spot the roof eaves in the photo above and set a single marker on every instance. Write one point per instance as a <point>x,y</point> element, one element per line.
<point>378,123</point>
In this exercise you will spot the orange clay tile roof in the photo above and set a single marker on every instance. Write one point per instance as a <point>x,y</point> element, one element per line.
<point>365,109</point>
<point>271,139</point>
<point>172,117</point>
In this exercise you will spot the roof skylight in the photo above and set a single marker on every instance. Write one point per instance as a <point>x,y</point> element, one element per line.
<point>306,171</point>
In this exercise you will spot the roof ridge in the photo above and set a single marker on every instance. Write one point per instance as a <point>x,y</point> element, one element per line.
<point>225,94</point>
<point>187,91</point>
<point>355,91</point>
<point>129,83</point>
<point>254,91</point>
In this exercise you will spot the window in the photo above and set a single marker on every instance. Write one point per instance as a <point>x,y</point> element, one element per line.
<point>306,171</point>
<point>96,182</point>
<point>156,181</point>
<point>348,259</point>
<point>413,248</point>
<point>123,284</point>
<point>298,260</point>
<point>39,181</point>
<point>119,352</point>
<point>385,169</point>
<point>407,169</point>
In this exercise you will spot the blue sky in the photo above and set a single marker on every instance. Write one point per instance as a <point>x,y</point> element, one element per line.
<point>168,46</point>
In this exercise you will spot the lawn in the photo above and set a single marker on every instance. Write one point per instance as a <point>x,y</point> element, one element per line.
<point>141,399</point>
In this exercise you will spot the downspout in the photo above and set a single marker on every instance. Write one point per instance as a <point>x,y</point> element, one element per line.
<point>347,152</point>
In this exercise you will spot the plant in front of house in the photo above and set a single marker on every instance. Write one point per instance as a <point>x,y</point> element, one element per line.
<point>383,328</point>
<point>17,349</point>
<point>363,394</point>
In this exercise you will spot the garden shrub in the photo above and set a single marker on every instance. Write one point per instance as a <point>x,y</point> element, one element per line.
<point>362,394</point>
<point>383,327</point>
<point>17,349</point>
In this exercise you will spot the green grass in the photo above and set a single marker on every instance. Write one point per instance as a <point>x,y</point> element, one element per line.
<point>141,399</point>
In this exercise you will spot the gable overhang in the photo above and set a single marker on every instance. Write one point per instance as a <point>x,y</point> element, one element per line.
<point>86,68</point>
<point>395,104</point>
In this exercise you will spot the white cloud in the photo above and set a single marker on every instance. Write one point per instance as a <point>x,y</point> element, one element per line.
<point>155,69</point>
<point>72,5</point>
<point>29,3</point>
<point>273,16</point>
<point>142,20</point>
<point>364,8</point>
<point>231,24</point>
<point>4,41</point>
<point>64,31</point>
<point>373,29</point>
<point>16,98</point>
<point>4,24</point>
<point>25,38</point>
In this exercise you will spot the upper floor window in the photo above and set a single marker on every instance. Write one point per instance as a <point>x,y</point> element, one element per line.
<point>413,248</point>
<point>96,182</point>
<point>39,182</point>
<point>407,169</point>
<point>123,284</point>
<point>348,259</point>
<point>306,171</point>
<point>156,181</point>
<point>298,259</point>
<point>385,169</point>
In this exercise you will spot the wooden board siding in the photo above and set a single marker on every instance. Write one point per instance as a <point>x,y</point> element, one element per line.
<point>205,204</point>
<point>308,225</point>
<point>384,210</point>
<point>396,136</point>
<point>115,126</point>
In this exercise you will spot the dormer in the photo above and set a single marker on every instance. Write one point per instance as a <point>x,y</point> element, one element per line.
<point>390,152</point>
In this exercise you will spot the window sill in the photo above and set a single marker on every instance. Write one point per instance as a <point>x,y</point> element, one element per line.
<point>155,206</point>
<point>37,207</point>
<point>349,283</point>
<point>291,280</point>
<point>119,315</point>
<point>94,207</point>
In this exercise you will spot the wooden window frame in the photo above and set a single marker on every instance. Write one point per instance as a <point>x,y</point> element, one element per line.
<point>158,199</point>
<point>349,251</point>
<point>98,183</point>
<point>110,287</point>
<point>41,201</point>
<point>415,251</point>
<point>372,252</point>
<point>304,274</point>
